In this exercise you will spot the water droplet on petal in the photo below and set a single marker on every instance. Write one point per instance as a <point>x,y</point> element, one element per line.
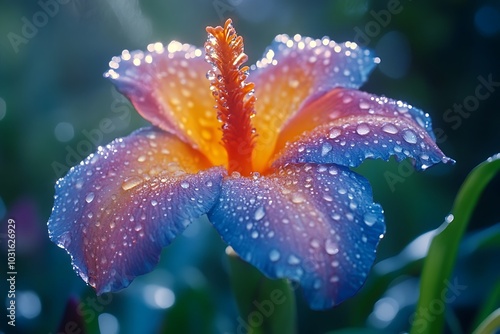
<point>292,259</point>
<point>327,198</point>
<point>185,185</point>
<point>298,198</point>
<point>389,128</point>
<point>79,184</point>
<point>330,247</point>
<point>131,182</point>
<point>334,133</point>
<point>325,148</point>
<point>64,240</point>
<point>255,234</point>
<point>410,137</point>
<point>259,213</point>
<point>90,197</point>
<point>334,279</point>
<point>274,255</point>
<point>314,243</point>
<point>154,203</point>
<point>364,105</point>
<point>370,218</point>
<point>362,129</point>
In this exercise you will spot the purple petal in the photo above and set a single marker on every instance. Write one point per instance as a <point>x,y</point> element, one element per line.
<point>115,211</point>
<point>346,127</point>
<point>315,224</point>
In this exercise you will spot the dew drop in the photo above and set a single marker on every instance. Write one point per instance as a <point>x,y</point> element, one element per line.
<point>364,105</point>
<point>79,184</point>
<point>131,182</point>
<point>325,148</point>
<point>292,259</point>
<point>90,197</point>
<point>297,198</point>
<point>154,203</point>
<point>274,255</point>
<point>334,133</point>
<point>259,213</point>
<point>362,129</point>
<point>410,137</point>
<point>185,185</point>
<point>327,198</point>
<point>335,264</point>
<point>389,128</point>
<point>64,240</point>
<point>255,235</point>
<point>141,158</point>
<point>314,243</point>
<point>330,247</point>
<point>370,219</point>
<point>334,279</point>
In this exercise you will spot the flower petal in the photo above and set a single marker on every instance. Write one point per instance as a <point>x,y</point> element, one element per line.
<point>115,211</point>
<point>168,87</point>
<point>294,70</point>
<point>315,224</point>
<point>347,126</point>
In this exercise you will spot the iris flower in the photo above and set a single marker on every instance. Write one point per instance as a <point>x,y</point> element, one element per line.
<point>268,162</point>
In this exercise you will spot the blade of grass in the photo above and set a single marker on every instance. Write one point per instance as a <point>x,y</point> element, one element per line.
<point>443,250</point>
<point>490,325</point>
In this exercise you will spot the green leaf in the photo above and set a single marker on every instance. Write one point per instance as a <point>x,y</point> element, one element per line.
<point>265,305</point>
<point>443,250</point>
<point>490,325</point>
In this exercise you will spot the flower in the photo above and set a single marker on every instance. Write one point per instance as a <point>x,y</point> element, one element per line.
<point>270,168</point>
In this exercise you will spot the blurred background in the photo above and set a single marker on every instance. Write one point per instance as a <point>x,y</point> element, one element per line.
<point>441,56</point>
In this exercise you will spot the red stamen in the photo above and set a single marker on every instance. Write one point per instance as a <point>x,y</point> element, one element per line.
<point>233,96</point>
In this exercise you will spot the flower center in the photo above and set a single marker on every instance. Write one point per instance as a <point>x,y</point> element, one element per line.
<point>233,96</point>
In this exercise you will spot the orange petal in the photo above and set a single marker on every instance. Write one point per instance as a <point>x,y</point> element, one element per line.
<point>168,87</point>
<point>293,71</point>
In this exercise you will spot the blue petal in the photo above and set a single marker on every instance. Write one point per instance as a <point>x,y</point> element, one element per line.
<point>115,211</point>
<point>315,224</point>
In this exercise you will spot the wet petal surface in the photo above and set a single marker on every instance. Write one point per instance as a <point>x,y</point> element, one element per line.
<point>315,224</point>
<point>168,87</point>
<point>295,70</point>
<point>348,126</point>
<point>115,211</point>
